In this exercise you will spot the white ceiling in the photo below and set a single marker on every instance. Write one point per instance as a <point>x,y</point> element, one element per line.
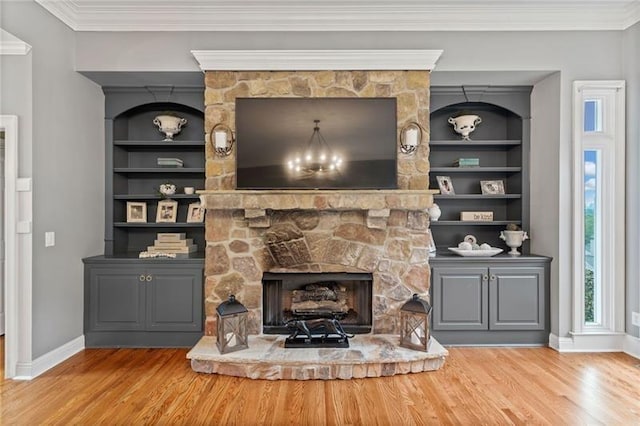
<point>344,15</point>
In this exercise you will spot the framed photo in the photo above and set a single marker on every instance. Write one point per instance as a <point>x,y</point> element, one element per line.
<point>492,187</point>
<point>195,213</point>
<point>136,212</point>
<point>445,184</point>
<point>167,211</point>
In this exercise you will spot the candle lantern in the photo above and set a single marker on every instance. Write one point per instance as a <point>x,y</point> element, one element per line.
<point>414,324</point>
<point>232,326</point>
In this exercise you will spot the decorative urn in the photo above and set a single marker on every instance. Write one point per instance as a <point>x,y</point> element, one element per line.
<point>465,124</point>
<point>514,239</point>
<point>170,125</point>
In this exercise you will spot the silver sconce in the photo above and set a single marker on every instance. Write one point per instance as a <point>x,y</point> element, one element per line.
<point>222,139</point>
<point>410,137</point>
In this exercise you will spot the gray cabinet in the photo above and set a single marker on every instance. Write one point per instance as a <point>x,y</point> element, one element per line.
<point>498,300</point>
<point>143,303</point>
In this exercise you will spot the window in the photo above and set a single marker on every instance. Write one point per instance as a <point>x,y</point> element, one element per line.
<point>599,199</point>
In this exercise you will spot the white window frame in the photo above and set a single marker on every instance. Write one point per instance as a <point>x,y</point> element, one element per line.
<point>610,142</point>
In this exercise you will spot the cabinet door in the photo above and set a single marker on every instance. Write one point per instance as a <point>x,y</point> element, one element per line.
<point>116,299</point>
<point>460,298</point>
<point>517,298</point>
<point>174,299</point>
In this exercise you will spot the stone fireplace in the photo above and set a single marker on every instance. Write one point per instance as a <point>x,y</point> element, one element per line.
<point>383,233</point>
<point>380,234</point>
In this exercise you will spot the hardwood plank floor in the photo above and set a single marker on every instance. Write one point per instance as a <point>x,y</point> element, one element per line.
<point>476,386</point>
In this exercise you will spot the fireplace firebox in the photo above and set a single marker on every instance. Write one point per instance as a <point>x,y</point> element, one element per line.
<point>343,296</point>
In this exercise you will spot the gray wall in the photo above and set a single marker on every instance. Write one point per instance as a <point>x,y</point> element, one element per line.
<point>574,55</point>
<point>67,114</point>
<point>631,61</point>
<point>545,195</point>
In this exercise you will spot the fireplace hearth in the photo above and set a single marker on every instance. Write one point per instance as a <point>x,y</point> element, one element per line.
<point>346,297</point>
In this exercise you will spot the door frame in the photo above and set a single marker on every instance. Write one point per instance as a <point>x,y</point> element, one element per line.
<point>18,258</point>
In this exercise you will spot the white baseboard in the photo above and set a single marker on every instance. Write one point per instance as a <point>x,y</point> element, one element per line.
<point>632,346</point>
<point>602,342</point>
<point>30,370</point>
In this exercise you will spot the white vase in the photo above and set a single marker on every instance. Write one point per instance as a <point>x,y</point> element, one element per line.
<point>170,125</point>
<point>167,189</point>
<point>514,239</point>
<point>465,124</point>
<point>434,212</point>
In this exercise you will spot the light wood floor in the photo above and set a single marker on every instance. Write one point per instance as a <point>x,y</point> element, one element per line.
<point>476,386</point>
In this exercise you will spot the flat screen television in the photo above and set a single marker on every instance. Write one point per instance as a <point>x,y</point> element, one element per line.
<point>316,143</point>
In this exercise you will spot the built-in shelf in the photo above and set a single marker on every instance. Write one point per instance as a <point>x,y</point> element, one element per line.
<point>163,170</point>
<point>476,169</point>
<point>159,144</point>
<point>474,223</point>
<point>157,225</point>
<point>458,142</point>
<point>155,197</point>
<point>477,196</point>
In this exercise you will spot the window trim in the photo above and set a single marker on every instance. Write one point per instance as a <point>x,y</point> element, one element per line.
<point>610,141</point>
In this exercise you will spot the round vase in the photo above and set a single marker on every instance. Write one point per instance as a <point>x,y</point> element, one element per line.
<point>465,124</point>
<point>434,212</point>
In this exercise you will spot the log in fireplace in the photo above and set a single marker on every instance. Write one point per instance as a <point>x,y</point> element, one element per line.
<point>344,296</point>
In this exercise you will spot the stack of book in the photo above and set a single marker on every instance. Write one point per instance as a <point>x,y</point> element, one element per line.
<point>170,162</point>
<point>467,162</point>
<point>173,243</point>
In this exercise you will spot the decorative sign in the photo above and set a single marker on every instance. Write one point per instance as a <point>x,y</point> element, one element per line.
<point>476,216</point>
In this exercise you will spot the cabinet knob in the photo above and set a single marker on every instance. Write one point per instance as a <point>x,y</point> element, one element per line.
<point>148,278</point>
<point>485,277</point>
<point>141,278</point>
<point>493,277</point>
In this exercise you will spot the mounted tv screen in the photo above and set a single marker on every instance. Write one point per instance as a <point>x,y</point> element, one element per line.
<point>316,143</point>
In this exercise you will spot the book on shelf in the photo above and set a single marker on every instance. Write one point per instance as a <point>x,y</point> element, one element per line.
<point>170,244</point>
<point>467,162</point>
<point>176,250</point>
<point>171,236</point>
<point>170,162</point>
<point>476,216</point>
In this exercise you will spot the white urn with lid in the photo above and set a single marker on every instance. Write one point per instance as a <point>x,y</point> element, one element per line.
<point>514,239</point>
<point>434,212</point>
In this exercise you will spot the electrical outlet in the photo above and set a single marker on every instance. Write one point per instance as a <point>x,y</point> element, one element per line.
<point>49,239</point>
<point>635,318</point>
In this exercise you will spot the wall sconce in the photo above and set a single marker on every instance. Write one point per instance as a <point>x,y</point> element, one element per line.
<point>410,137</point>
<point>222,139</point>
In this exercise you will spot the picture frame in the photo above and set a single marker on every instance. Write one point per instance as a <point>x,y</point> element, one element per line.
<point>446,185</point>
<point>167,211</point>
<point>195,214</point>
<point>492,187</point>
<point>136,212</point>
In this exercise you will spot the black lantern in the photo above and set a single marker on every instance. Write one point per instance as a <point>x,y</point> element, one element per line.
<point>232,326</point>
<point>414,324</point>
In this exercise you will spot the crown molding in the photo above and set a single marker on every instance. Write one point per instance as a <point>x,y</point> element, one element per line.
<point>11,45</point>
<point>344,15</point>
<point>309,60</point>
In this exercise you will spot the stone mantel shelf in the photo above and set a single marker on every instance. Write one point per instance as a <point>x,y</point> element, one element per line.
<point>372,200</point>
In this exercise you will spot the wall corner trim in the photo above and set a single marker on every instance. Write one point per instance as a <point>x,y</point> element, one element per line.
<point>631,346</point>
<point>310,60</point>
<point>30,370</point>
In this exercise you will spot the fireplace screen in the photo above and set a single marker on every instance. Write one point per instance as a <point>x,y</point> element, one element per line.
<point>343,296</point>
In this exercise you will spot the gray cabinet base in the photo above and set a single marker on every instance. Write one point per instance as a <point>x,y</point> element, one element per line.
<point>140,339</point>
<point>493,337</point>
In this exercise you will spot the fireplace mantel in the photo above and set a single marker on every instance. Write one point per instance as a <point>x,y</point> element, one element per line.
<point>337,200</point>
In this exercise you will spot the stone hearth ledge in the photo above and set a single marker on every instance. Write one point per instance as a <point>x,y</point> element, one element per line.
<point>369,355</point>
<point>260,200</point>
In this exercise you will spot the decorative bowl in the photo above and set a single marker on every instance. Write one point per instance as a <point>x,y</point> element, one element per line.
<point>476,253</point>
